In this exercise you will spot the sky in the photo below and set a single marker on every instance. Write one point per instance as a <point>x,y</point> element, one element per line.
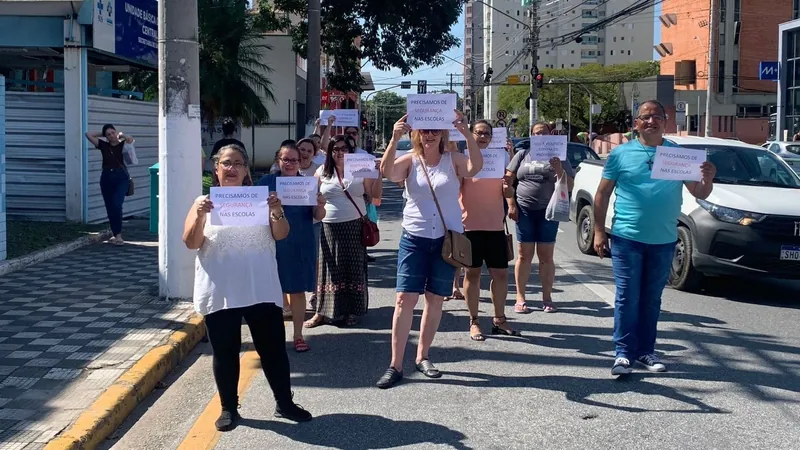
<point>436,77</point>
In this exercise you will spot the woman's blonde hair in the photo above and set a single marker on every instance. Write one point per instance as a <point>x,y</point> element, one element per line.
<point>416,142</point>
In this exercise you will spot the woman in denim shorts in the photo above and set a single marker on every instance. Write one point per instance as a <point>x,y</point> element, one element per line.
<point>420,266</point>
<point>535,234</point>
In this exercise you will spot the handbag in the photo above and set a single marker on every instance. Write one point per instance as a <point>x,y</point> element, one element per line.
<point>457,248</point>
<point>370,234</point>
<point>509,242</point>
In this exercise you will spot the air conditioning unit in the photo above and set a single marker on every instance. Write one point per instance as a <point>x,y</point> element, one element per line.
<point>663,49</point>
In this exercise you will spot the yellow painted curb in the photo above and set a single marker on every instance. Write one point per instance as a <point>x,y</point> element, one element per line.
<point>115,404</point>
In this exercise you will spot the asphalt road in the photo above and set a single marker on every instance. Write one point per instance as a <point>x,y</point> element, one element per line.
<point>734,380</point>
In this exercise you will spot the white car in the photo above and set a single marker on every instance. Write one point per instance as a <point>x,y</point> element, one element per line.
<point>789,151</point>
<point>749,225</point>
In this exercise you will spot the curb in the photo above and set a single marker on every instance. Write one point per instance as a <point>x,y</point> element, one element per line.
<point>114,405</point>
<point>51,252</point>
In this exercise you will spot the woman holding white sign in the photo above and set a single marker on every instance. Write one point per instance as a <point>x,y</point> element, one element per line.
<point>296,254</point>
<point>342,291</point>
<point>535,183</point>
<point>236,277</point>
<point>432,187</point>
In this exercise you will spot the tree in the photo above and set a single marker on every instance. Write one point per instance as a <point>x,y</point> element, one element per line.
<point>390,108</point>
<point>459,100</point>
<point>403,35</point>
<point>602,81</point>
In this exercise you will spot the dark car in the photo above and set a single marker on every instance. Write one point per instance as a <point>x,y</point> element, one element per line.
<point>576,153</point>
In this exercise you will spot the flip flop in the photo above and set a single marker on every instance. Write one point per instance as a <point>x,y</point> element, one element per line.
<point>522,308</point>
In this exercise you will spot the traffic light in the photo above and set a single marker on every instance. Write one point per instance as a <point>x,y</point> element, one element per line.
<point>539,80</point>
<point>422,87</point>
<point>364,123</point>
<point>487,78</point>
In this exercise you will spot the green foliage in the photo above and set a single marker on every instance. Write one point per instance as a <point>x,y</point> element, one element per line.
<point>459,100</point>
<point>602,81</point>
<point>403,35</point>
<point>144,81</point>
<point>390,108</point>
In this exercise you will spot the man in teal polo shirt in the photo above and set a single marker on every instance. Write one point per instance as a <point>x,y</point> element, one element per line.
<point>644,233</point>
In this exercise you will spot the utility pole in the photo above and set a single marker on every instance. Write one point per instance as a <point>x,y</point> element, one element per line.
<point>313,57</point>
<point>533,13</point>
<point>712,53</point>
<point>179,141</point>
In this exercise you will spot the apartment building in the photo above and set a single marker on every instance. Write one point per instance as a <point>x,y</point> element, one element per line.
<point>746,35</point>
<point>504,38</point>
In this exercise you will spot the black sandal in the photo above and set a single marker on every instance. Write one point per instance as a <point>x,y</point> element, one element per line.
<point>496,329</point>
<point>473,322</point>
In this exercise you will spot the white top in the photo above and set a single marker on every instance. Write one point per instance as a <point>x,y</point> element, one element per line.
<point>420,216</point>
<point>361,150</point>
<point>338,207</point>
<point>310,171</point>
<point>235,268</point>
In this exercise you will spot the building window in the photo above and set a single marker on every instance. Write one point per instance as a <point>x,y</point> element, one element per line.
<point>572,65</point>
<point>629,53</point>
<point>526,67</point>
<point>562,66</point>
<point>611,53</point>
<point>735,76</point>
<point>720,78</point>
<point>615,39</point>
<point>796,9</point>
<point>737,10</point>
<point>719,123</point>
<point>622,38</point>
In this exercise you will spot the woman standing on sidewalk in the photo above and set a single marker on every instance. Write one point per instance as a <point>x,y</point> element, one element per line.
<point>535,234</point>
<point>114,180</point>
<point>421,269</point>
<point>236,276</point>
<point>297,253</point>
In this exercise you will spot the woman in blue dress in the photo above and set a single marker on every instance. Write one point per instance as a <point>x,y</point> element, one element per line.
<point>297,253</point>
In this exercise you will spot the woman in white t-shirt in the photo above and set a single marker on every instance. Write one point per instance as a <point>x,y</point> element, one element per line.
<point>236,277</point>
<point>342,293</point>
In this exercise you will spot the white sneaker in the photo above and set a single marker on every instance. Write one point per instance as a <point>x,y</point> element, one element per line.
<point>622,366</point>
<point>652,363</point>
<point>118,240</point>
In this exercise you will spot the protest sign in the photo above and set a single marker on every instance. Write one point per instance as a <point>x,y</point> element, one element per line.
<point>359,165</point>
<point>344,117</point>
<point>499,138</point>
<point>431,111</point>
<point>297,191</point>
<point>494,164</point>
<point>455,135</point>
<point>679,164</point>
<point>239,206</point>
<point>545,148</point>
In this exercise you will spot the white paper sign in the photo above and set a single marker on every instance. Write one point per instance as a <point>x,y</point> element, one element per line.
<point>455,135</point>
<point>297,191</point>
<point>680,164</point>
<point>431,111</point>
<point>494,164</point>
<point>499,138</point>
<point>545,148</point>
<point>239,206</point>
<point>344,117</point>
<point>359,165</point>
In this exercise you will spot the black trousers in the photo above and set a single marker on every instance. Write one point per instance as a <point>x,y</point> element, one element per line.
<point>265,321</point>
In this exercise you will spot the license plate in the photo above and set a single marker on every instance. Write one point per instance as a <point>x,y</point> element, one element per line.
<point>790,253</point>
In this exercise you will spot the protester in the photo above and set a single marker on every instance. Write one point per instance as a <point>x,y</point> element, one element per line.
<point>482,202</point>
<point>275,168</point>
<point>236,277</point>
<point>114,179</point>
<point>228,129</point>
<point>322,137</point>
<point>308,151</point>
<point>421,269</point>
<point>643,235</point>
<point>535,234</point>
<point>297,254</point>
<point>342,293</point>
<point>352,132</point>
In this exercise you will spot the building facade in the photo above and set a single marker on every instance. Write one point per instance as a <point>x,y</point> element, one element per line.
<point>788,111</point>
<point>505,35</point>
<point>747,34</point>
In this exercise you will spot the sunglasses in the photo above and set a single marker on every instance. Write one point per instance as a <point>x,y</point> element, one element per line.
<point>433,132</point>
<point>482,133</point>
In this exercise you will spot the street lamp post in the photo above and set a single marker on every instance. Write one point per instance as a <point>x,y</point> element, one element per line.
<point>591,102</point>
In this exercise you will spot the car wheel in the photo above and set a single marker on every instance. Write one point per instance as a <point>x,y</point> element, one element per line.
<point>682,274</point>
<point>585,230</point>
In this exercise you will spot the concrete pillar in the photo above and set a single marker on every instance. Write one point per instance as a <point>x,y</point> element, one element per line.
<point>3,233</point>
<point>76,117</point>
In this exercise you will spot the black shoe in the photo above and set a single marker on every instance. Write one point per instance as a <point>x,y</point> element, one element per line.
<point>428,369</point>
<point>227,420</point>
<point>293,412</point>
<point>390,378</point>
<point>370,258</point>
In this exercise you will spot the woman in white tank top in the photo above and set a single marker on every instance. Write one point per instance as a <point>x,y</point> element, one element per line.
<point>420,266</point>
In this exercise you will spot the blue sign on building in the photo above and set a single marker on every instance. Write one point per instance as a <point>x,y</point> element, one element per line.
<point>127,28</point>
<point>768,70</point>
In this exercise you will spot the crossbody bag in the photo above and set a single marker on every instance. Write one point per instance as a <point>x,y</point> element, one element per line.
<point>370,234</point>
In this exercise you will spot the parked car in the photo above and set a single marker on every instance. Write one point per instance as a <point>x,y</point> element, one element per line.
<point>576,153</point>
<point>749,225</point>
<point>789,151</point>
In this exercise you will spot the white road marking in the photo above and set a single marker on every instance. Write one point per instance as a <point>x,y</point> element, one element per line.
<point>601,291</point>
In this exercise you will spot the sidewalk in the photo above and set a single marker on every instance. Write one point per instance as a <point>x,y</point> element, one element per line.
<point>70,326</point>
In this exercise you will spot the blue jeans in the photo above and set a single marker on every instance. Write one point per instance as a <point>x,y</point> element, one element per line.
<point>641,272</point>
<point>114,187</point>
<point>421,268</point>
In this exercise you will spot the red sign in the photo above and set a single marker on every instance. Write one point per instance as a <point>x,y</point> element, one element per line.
<point>325,97</point>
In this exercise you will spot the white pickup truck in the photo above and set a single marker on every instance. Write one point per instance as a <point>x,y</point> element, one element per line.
<point>749,226</point>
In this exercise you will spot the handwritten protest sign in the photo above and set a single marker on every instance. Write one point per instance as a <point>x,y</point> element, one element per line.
<point>680,164</point>
<point>344,117</point>
<point>431,111</point>
<point>494,164</point>
<point>499,138</point>
<point>455,135</point>
<point>359,165</point>
<point>297,191</point>
<point>545,148</point>
<point>239,206</point>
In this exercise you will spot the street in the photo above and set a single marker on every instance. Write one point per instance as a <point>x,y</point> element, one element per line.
<point>733,355</point>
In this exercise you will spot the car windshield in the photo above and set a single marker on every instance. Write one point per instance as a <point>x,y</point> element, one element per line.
<point>404,144</point>
<point>793,148</point>
<point>748,166</point>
